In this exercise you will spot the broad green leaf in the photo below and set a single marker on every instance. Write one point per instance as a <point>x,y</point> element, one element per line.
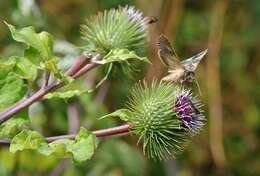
<point>12,88</point>
<point>39,48</point>
<point>84,146</point>
<point>25,69</point>
<point>29,140</point>
<point>15,125</point>
<point>60,148</point>
<point>66,95</point>
<point>7,64</point>
<point>81,149</point>
<point>34,56</point>
<point>21,66</point>
<point>123,114</point>
<point>41,43</point>
<point>121,55</point>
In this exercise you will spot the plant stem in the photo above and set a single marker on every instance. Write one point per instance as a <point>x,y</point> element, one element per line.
<point>99,133</point>
<point>37,96</point>
<point>80,62</point>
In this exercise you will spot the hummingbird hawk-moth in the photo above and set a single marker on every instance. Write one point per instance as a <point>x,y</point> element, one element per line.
<point>182,72</point>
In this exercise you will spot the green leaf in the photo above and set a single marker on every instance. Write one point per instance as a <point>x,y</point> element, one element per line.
<point>15,125</point>
<point>12,88</point>
<point>39,48</point>
<point>29,140</point>
<point>25,69</point>
<point>60,147</point>
<point>84,146</point>
<point>7,64</point>
<point>66,95</point>
<point>121,55</point>
<point>34,56</point>
<point>81,149</point>
<point>21,66</point>
<point>41,43</point>
<point>123,114</point>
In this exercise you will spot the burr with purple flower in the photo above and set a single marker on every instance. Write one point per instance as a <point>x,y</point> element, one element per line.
<point>189,112</point>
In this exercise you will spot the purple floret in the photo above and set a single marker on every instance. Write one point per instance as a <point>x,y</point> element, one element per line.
<point>189,111</point>
<point>136,15</point>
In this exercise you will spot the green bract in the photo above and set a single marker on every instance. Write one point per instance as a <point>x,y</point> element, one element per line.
<point>66,94</point>
<point>122,28</point>
<point>121,55</point>
<point>155,121</point>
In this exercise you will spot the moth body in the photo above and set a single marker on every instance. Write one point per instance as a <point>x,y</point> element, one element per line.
<point>179,72</point>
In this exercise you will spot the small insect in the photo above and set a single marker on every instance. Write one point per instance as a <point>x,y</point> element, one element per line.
<point>182,72</point>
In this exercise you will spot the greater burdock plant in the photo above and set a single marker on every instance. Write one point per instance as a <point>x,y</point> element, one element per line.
<point>163,115</point>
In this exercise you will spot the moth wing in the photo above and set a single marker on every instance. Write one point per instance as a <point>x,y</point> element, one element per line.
<point>192,63</point>
<point>167,54</point>
<point>174,75</point>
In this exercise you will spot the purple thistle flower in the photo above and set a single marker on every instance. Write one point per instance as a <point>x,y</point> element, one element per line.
<point>133,13</point>
<point>136,15</point>
<point>189,111</point>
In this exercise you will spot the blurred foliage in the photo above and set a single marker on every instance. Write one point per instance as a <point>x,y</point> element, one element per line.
<point>240,84</point>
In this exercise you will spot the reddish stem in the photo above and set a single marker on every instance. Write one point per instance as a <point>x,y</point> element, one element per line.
<point>99,133</point>
<point>80,62</point>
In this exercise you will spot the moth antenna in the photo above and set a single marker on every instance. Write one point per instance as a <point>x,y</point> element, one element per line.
<point>197,84</point>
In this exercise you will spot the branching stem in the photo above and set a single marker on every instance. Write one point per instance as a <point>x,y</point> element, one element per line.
<point>37,96</point>
<point>99,133</point>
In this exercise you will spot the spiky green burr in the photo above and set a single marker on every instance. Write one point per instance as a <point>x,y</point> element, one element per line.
<point>164,116</point>
<point>155,121</point>
<point>122,28</point>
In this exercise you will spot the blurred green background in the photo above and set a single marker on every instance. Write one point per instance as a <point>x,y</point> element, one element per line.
<point>229,78</point>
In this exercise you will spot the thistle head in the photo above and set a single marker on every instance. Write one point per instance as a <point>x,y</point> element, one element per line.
<point>122,28</point>
<point>164,116</point>
<point>189,112</point>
